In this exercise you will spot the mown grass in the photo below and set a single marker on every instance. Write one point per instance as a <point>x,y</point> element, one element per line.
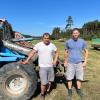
<point>91,84</point>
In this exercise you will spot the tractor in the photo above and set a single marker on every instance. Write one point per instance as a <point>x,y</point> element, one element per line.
<point>17,81</point>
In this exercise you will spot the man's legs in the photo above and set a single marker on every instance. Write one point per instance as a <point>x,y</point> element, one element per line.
<point>79,92</point>
<point>79,77</point>
<point>70,75</point>
<point>48,86</point>
<point>78,84</point>
<point>69,89</point>
<point>43,89</point>
<point>44,81</point>
<point>79,74</point>
<point>46,77</point>
<point>50,78</point>
<point>69,84</point>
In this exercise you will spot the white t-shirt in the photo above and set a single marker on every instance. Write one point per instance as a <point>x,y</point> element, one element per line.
<point>45,53</point>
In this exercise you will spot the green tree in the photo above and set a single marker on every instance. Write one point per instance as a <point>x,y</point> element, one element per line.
<point>69,23</point>
<point>56,33</point>
<point>92,28</point>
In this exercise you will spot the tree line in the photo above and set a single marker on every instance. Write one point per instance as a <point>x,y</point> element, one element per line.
<point>88,31</point>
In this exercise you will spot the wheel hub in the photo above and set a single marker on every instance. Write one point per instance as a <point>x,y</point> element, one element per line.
<point>17,85</point>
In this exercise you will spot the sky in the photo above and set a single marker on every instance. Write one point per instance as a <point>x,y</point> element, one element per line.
<point>34,17</point>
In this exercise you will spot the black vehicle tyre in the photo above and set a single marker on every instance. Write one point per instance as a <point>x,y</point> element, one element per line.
<point>17,81</point>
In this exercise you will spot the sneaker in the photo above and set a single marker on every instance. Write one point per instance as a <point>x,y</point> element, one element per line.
<point>42,97</point>
<point>69,94</point>
<point>79,92</point>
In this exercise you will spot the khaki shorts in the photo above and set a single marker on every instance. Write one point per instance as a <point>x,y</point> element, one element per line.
<point>74,70</point>
<point>46,75</point>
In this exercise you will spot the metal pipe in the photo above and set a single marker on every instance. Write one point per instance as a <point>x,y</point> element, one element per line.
<point>19,49</point>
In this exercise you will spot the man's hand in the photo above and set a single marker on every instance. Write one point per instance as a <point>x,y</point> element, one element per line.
<point>30,55</point>
<point>84,64</point>
<point>24,62</point>
<point>65,64</point>
<point>54,62</point>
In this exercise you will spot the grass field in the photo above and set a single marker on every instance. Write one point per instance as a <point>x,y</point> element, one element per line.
<point>91,84</point>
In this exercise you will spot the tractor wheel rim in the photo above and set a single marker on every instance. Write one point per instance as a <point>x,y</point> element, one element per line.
<point>17,85</point>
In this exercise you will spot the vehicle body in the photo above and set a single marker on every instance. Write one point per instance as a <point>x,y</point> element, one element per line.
<point>17,81</point>
<point>96,43</point>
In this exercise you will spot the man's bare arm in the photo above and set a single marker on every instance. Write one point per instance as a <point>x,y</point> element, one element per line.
<point>85,57</point>
<point>55,57</point>
<point>30,55</point>
<point>65,57</point>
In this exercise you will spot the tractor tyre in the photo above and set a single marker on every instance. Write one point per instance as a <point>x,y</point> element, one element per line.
<point>17,81</point>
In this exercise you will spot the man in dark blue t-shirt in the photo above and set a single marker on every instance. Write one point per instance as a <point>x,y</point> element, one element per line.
<point>73,60</point>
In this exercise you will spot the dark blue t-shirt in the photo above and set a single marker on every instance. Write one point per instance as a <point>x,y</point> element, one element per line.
<point>75,48</point>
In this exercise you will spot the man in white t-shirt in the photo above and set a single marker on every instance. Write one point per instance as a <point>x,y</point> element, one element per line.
<point>48,56</point>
